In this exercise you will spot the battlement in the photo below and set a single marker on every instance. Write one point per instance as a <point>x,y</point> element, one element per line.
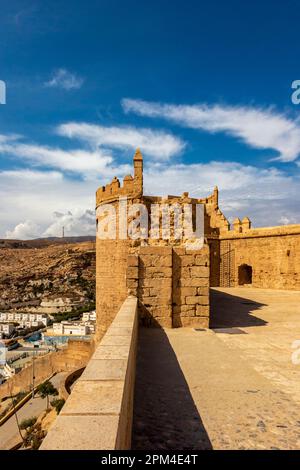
<point>132,185</point>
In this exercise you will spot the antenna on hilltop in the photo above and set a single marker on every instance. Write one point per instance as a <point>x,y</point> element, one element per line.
<point>63,232</point>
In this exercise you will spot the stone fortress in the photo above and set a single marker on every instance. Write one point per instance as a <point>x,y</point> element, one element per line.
<point>171,282</point>
<point>196,387</point>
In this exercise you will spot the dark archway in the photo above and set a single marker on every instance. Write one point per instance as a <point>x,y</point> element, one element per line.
<point>245,274</point>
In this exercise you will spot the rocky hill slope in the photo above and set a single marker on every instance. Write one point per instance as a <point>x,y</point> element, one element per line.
<point>29,274</point>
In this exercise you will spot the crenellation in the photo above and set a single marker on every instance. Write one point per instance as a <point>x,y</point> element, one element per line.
<point>171,282</point>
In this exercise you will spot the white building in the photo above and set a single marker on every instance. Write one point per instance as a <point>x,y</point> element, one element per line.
<point>70,328</point>
<point>27,320</point>
<point>7,328</point>
<point>89,316</point>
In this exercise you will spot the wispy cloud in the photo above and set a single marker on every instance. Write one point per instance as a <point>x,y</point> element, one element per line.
<point>257,127</point>
<point>64,79</point>
<point>268,196</point>
<point>157,144</point>
<point>96,156</point>
<point>86,163</point>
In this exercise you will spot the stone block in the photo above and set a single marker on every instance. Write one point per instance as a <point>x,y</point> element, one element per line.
<point>132,283</point>
<point>196,282</point>
<point>192,299</point>
<point>163,322</point>
<point>155,271</point>
<point>82,433</point>
<point>155,250</point>
<point>202,260</point>
<point>162,293</point>
<point>132,273</point>
<point>187,260</point>
<point>202,310</point>
<point>156,301</point>
<point>105,369</point>
<point>203,291</point>
<point>155,283</point>
<point>133,261</point>
<point>156,261</point>
<point>99,397</point>
<point>116,340</point>
<point>111,352</point>
<point>199,271</point>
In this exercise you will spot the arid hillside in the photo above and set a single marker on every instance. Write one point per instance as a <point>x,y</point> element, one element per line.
<point>29,275</point>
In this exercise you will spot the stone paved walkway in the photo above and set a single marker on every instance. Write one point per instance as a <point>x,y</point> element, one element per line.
<point>233,387</point>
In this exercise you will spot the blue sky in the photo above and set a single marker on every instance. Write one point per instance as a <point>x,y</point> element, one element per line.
<point>204,88</point>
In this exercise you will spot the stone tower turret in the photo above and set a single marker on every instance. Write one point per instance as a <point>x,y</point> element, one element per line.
<point>138,171</point>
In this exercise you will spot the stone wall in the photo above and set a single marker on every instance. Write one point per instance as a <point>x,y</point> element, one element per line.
<point>151,269</point>
<point>155,286</point>
<point>98,413</point>
<point>172,285</point>
<point>76,355</point>
<point>273,254</point>
<point>191,287</point>
<point>111,288</point>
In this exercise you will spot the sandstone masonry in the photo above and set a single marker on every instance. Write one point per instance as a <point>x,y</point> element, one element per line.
<point>172,282</point>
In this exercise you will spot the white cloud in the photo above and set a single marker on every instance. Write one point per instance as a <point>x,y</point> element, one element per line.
<point>34,197</point>
<point>97,157</point>
<point>86,163</point>
<point>77,222</point>
<point>157,144</point>
<point>24,231</point>
<point>62,78</point>
<point>257,127</point>
<point>40,203</point>
<point>268,196</point>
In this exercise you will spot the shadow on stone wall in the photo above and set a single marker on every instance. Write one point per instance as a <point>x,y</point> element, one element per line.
<point>165,415</point>
<point>229,311</point>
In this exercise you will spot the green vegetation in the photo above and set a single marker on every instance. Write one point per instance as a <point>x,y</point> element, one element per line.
<point>46,389</point>
<point>34,433</point>
<point>58,403</point>
<point>19,396</point>
<point>28,423</point>
<point>59,317</point>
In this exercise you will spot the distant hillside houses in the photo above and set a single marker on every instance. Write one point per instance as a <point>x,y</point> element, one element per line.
<point>25,320</point>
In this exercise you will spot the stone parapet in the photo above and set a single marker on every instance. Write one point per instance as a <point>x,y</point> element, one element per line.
<point>98,413</point>
<point>262,232</point>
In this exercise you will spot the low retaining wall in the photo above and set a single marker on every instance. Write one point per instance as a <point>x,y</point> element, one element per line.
<point>98,413</point>
<point>76,355</point>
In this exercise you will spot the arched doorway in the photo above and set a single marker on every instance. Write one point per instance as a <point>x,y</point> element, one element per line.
<point>245,274</point>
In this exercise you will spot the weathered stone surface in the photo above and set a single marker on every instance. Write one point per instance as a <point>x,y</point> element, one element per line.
<point>202,310</point>
<point>82,432</point>
<point>98,413</point>
<point>95,397</point>
<point>105,369</point>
